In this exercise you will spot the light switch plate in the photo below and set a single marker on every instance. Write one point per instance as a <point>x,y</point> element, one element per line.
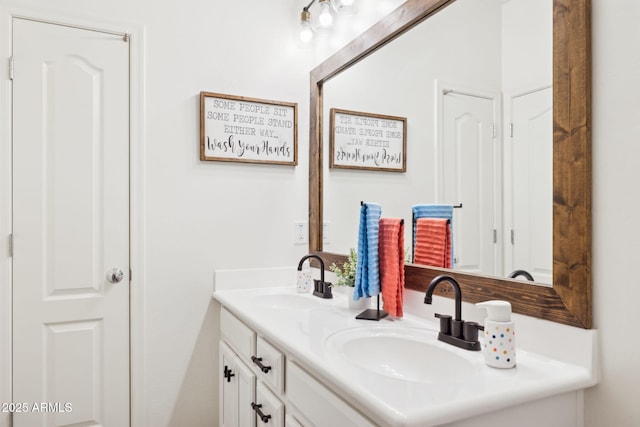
<point>300,232</point>
<point>326,232</point>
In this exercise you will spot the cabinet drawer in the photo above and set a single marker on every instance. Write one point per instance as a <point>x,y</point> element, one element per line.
<point>269,364</point>
<point>238,335</point>
<point>318,404</point>
<point>268,408</point>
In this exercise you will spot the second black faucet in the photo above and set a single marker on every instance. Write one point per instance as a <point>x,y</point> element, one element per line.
<point>321,289</point>
<point>454,331</point>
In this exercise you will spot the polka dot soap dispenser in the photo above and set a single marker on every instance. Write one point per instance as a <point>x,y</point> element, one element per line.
<point>499,334</point>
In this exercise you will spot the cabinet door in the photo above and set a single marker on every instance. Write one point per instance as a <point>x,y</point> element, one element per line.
<point>237,390</point>
<point>228,388</point>
<point>246,394</point>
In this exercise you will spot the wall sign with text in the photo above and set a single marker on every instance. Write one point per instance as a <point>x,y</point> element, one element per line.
<point>367,141</point>
<point>240,129</point>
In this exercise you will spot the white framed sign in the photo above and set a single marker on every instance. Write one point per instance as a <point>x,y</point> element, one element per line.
<point>241,129</point>
<point>367,141</point>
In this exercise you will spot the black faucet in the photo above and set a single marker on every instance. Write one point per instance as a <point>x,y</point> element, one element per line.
<point>456,332</point>
<point>321,289</point>
<point>523,273</point>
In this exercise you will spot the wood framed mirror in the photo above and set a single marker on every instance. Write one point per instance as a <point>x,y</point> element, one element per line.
<point>569,300</point>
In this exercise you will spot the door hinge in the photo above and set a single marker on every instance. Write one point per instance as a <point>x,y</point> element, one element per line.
<point>495,236</point>
<point>495,130</point>
<point>511,130</point>
<point>11,68</point>
<point>130,275</point>
<point>513,237</point>
<point>11,245</point>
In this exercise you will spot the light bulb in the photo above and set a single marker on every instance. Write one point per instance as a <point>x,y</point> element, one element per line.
<point>325,19</point>
<point>306,32</point>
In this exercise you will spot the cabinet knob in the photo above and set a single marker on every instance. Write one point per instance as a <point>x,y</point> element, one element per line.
<point>257,407</point>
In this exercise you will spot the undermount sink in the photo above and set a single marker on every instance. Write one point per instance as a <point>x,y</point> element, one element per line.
<point>286,301</point>
<point>407,354</point>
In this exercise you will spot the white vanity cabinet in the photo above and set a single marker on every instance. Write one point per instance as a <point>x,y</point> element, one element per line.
<point>244,399</point>
<point>259,386</point>
<point>285,354</point>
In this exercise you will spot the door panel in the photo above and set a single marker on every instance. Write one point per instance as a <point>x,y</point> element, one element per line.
<point>71,224</point>
<point>470,177</point>
<point>77,376</point>
<point>72,176</point>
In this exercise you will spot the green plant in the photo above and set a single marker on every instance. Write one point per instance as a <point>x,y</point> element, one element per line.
<point>346,274</point>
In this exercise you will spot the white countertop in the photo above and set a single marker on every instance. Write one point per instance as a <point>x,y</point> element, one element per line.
<point>301,333</point>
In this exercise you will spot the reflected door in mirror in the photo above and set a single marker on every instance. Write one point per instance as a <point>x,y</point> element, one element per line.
<point>530,190</point>
<point>470,175</point>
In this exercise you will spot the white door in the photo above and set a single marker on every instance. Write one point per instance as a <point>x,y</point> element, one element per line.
<point>71,225</point>
<point>470,175</point>
<point>531,189</point>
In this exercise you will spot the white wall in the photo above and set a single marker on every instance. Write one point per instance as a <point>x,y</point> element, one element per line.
<point>616,202</point>
<point>527,43</point>
<point>202,216</point>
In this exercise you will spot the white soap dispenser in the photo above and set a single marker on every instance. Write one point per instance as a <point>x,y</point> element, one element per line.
<point>499,334</point>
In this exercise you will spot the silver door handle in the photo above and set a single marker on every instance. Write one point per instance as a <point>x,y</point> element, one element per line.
<point>115,275</point>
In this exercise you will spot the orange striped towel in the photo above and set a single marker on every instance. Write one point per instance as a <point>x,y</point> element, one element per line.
<point>433,242</point>
<point>391,253</point>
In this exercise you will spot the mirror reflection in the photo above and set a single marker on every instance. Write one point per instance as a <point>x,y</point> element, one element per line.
<point>474,82</point>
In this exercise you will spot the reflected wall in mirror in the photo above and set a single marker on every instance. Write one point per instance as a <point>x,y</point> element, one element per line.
<point>475,83</point>
<point>569,300</point>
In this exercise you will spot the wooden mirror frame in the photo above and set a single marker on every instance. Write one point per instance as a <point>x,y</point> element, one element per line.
<point>569,300</point>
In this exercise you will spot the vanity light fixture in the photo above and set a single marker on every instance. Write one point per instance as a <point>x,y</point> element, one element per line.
<point>325,19</point>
